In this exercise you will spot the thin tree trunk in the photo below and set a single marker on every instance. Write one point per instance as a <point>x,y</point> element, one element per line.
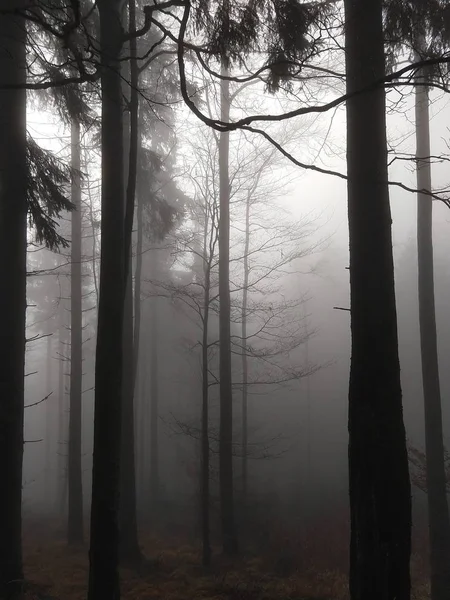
<point>94,236</point>
<point>204,487</point>
<point>244,357</point>
<point>75,479</point>
<point>13,246</point>
<point>229,540</point>
<point>139,404</point>
<point>104,547</point>
<point>61,475</point>
<point>48,424</point>
<point>154,402</point>
<point>380,493</point>
<point>138,267</point>
<point>130,551</point>
<point>438,517</point>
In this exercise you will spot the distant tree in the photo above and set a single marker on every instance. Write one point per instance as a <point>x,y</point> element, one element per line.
<point>422,30</point>
<point>229,539</point>
<point>438,516</point>
<point>75,489</point>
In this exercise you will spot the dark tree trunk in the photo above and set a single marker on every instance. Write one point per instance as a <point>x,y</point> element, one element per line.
<point>130,552</point>
<point>104,548</point>
<point>438,517</point>
<point>129,545</point>
<point>380,500</point>
<point>75,513</point>
<point>13,246</point>
<point>229,540</point>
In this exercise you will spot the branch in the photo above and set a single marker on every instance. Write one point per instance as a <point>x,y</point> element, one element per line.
<point>38,402</point>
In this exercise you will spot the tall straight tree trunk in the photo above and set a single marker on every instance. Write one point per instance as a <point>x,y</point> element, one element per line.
<point>229,540</point>
<point>61,462</point>
<point>48,424</point>
<point>438,517</point>
<point>154,401</point>
<point>204,483</point>
<point>139,409</point>
<point>13,247</point>
<point>380,493</point>
<point>244,356</point>
<point>130,551</point>
<point>104,543</point>
<point>75,512</point>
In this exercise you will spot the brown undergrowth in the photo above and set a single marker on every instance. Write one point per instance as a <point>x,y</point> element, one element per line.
<point>283,570</point>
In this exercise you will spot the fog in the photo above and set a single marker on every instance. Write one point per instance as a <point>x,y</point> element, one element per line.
<point>298,428</point>
<point>224,255</point>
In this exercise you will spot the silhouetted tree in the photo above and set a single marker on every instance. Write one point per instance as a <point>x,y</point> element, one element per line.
<point>75,488</point>
<point>13,246</point>
<point>104,542</point>
<point>380,502</point>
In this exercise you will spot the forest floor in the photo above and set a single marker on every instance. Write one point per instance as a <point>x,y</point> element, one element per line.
<point>57,572</point>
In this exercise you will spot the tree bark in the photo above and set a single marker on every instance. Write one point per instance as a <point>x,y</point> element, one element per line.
<point>75,512</point>
<point>380,500</point>
<point>438,517</point>
<point>13,246</point>
<point>229,540</point>
<point>104,548</point>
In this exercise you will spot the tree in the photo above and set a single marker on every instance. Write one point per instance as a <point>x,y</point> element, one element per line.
<point>229,540</point>
<point>13,246</point>
<point>438,516</point>
<point>104,542</point>
<point>380,502</point>
<point>75,488</point>
<point>130,551</point>
<point>32,185</point>
<point>423,30</point>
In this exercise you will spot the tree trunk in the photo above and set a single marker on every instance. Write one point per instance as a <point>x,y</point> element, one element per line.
<point>229,540</point>
<point>75,512</point>
<point>139,404</point>
<point>154,402</point>
<point>61,470</point>
<point>13,246</point>
<point>380,500</point>
<point>48,425</point>
<point>244,357</point>
<point>204,487</point>
<point>104,548</point>
<point>130,552</point>
<point>438,517</point>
